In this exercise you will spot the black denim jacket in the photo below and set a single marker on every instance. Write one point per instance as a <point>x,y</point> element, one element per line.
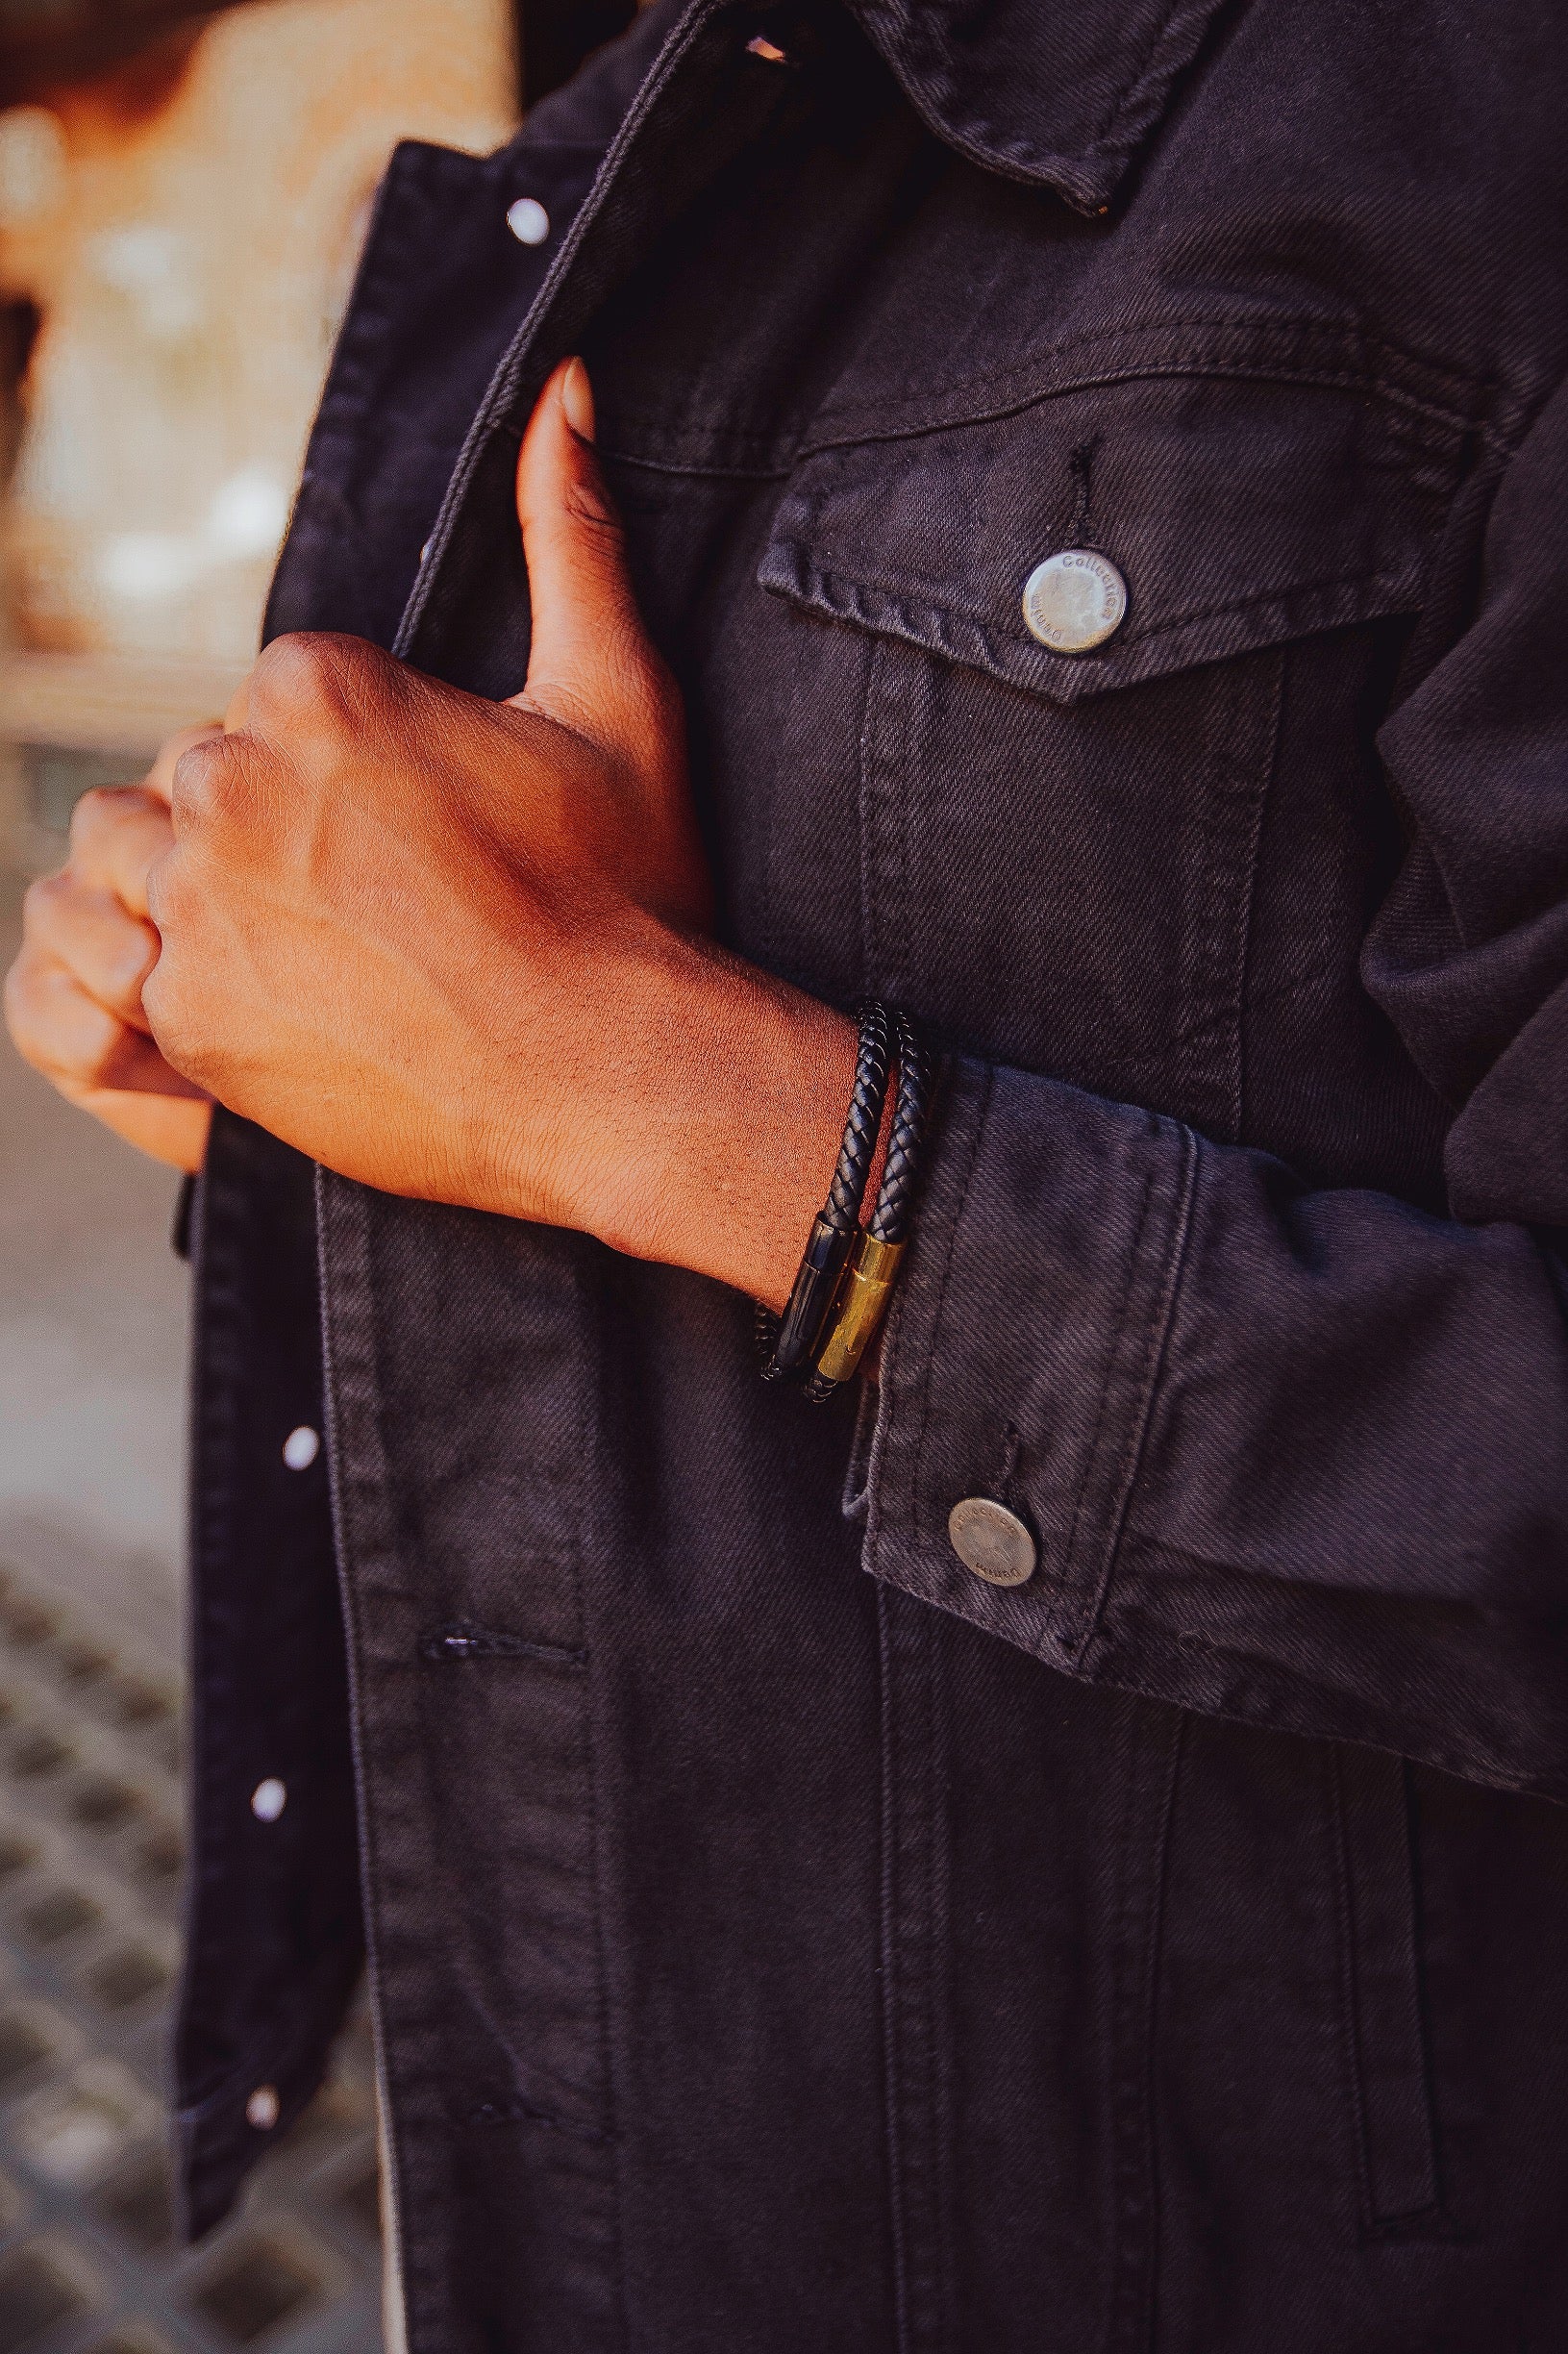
<point>1172,1951</point>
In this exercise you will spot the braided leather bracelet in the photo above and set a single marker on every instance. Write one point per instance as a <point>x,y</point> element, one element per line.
<point>861,1299</point>
<point>789,1344</point>
<point>846,1273</point>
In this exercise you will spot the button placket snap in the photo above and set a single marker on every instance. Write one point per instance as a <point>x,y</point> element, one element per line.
<point>263,2107</point>
<point>301,1448</point>
<point>268,1799</point>
<point>528,220</point>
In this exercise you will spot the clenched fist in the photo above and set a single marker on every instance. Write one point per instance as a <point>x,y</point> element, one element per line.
<point>458,950</point>
<point>73,998</point>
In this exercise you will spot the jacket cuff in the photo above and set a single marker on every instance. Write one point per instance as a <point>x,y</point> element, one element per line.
<point>1024,1346</point>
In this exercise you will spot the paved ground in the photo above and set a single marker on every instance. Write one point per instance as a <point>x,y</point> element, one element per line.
<point>93,1339</point>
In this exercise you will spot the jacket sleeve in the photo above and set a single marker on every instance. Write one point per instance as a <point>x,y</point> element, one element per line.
<point>1293,1456</point>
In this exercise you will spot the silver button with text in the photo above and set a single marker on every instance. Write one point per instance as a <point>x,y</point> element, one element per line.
<point>1075,600</point>
<point>993,1541</point>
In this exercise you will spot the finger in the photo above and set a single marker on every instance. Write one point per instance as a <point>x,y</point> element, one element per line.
<point>592,665</point>
<point>108,951</point>
<point>115,836</point>
<point>169,1128</point>
<point>77,1043</point>
<point>160,777</point>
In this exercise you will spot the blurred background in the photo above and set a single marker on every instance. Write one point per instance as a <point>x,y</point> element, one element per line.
<point>183,195</point>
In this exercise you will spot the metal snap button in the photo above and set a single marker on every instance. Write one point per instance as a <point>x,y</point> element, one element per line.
<point>1074,601</point>
<point>528,220</point>
<point>993,1541</point>
<point>263,2108</point>
<point>301,1448</point>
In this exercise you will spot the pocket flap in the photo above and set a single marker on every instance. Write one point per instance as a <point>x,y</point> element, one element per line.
<point>1238,514</point>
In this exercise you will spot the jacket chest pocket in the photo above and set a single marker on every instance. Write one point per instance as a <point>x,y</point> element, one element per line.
<point>1057,846</point>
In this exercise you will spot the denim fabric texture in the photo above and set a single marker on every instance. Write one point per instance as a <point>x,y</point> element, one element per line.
<point>1168,1955</point>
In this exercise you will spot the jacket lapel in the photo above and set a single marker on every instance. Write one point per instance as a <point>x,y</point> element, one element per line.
<point>1059,94</point>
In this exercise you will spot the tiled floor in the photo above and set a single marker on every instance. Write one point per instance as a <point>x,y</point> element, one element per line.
<point>91,1348</point>
<point>92,1342</point>
<point>90,1873</point>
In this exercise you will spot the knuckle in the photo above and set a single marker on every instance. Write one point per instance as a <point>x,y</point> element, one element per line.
<point>200,782</point>
<point>96,813</point>
<point>88,812</point>
<point>287,670</point>
<point>174,747</point>
<point>171,751</point>
<point>44,904</point>
<point>301,682</point>
<point>39,894</point>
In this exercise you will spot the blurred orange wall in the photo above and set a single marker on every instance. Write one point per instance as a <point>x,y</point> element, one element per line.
<point>188,233</point>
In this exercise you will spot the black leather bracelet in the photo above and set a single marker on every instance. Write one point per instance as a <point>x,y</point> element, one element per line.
<point>872,1268</point>
<point>789,1342</point>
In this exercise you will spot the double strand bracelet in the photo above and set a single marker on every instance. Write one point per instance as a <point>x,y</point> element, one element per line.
<point>847,1271</point>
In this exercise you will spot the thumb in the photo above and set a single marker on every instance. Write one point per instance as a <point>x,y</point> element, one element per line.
<point>591,666</point>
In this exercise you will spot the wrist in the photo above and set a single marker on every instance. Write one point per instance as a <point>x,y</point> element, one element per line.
<point>719,1145</point>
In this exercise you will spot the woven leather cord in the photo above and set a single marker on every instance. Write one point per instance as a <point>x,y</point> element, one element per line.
<point>862,1125</point>
<point>890,1220</point>
<point>864,1122</point>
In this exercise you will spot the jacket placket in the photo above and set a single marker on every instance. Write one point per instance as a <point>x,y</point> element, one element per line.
<point>440,1691</point>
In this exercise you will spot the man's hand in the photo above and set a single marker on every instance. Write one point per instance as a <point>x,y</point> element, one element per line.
<point>455,949</point>
<point>73,998</point>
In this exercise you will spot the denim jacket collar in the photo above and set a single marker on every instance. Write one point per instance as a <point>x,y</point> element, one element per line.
<point>1061,93</point>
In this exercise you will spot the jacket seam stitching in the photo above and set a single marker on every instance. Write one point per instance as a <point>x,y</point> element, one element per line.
<point>1482,1763</point>
<point>1159,1335</point>
<point>1091,1454</point>
<point>916,2110</point>
<point>1389,579</point>
<point>407,2268</point>
<point>975,136</point>
<point>1197,359</point>
<point>1254,867</point>
<point>586,1433</point>
<point>960,1209</point>
<point>1180,361</point>
<point>1108,139</point>
<point>866,781</point>
<point>1133,2270</point>
<point>493,415</point>
<point>778,458</point>
<point>1345,1921</point>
